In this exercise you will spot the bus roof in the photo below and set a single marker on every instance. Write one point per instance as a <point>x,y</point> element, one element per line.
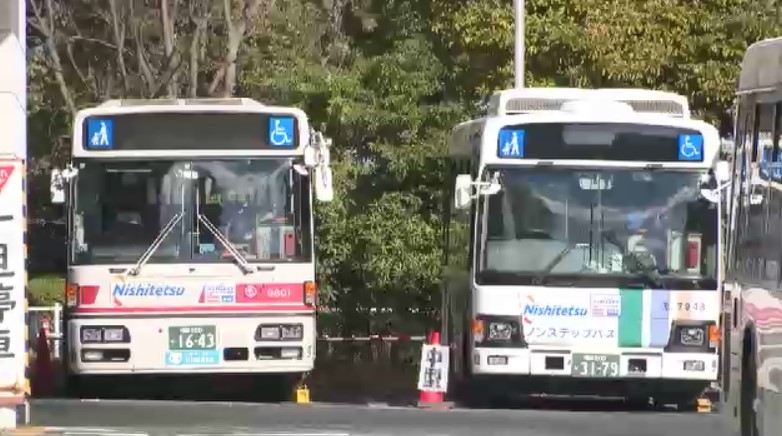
<point>532,100</point>
<point>761,68</point>
<point>157,102</point>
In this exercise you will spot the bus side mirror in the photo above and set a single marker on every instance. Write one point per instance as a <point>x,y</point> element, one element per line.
<point>324,189</point>
<point>462,192</point>
<point>722,179</point>
<point>57,186</point>
<point>58,182</point>
<point>722,172</point>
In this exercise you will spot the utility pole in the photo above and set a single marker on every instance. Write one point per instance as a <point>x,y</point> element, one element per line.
<point>13,155</point>
<point>519,47</point>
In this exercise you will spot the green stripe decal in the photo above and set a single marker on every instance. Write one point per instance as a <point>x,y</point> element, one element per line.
<point>631,318</point>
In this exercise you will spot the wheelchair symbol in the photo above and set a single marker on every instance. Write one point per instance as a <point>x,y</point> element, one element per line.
<point>175,358</point>
<point>281,134</point>
<point>689,150</point>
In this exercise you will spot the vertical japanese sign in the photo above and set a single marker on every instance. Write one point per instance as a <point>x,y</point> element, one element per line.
<point>433,373</point>
<point>12,279</point>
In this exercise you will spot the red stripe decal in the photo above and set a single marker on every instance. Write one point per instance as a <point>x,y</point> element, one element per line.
<point>221,309</point>
<point>88,294</point>
<point>249,293</point>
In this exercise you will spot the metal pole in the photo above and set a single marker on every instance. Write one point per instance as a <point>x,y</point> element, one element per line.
<point>519,46</point>
<point>57,328</point>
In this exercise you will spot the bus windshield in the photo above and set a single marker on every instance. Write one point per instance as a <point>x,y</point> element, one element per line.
<point>261,207</point>
<point>598,228</point>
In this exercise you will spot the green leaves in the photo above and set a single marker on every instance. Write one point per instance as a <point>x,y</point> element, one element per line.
<point>379,241</point>
<point>691,48</point>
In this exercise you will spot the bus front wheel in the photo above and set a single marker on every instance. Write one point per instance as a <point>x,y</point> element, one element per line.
<point>748,416</point>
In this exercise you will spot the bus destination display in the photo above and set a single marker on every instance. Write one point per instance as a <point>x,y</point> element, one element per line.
<point>190,131</point>
<point>588,141</point>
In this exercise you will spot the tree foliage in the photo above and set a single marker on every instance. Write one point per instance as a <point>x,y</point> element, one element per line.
<point>387,80</point>
<point>694,48</point>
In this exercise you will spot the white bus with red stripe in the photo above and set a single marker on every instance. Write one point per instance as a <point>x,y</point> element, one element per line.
<point>190,239</point>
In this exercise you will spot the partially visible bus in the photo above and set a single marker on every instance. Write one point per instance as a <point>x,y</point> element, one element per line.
<point>752,383</point>
<point>583,245</point>
<point>190,241</point>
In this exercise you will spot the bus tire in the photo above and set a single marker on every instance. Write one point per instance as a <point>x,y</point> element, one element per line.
<point>637,402</point>
<point>77,386</point>
<point>748,395</point>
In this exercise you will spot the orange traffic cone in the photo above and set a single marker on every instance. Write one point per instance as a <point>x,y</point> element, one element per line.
<point>43,380</point>
<point>429,399</point>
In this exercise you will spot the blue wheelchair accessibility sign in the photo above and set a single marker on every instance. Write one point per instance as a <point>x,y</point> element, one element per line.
<point>691,147</point>
<point>281,131</point>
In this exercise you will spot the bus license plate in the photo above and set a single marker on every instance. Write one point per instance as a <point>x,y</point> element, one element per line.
<point>192,338</point>
<point>595,365</point>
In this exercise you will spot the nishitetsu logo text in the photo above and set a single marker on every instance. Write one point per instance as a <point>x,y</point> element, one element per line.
<point>554,310</point>
<point>146,290</point>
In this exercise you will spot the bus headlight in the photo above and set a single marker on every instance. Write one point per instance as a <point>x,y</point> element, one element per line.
<point>104,334</point>
<point>692,336</point>
<point>292,331</point>
<point>277,332</point>
<point>270,333</point>
<point>113,335</point>
<point>91,335</point>
<point>497,331</point>
<point>501,330</point>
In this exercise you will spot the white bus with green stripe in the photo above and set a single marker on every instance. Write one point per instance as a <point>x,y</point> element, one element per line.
<point>582,247</point>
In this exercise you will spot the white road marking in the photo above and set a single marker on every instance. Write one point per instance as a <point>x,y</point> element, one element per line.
<point>263,434</point>
<point>105,433</point>
<point>92,431</point>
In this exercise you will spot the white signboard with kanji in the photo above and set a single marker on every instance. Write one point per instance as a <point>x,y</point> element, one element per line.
<point>12,274</point>
<point>433,375</point>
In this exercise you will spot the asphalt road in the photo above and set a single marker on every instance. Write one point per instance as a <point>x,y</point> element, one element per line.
<point>138,418</point>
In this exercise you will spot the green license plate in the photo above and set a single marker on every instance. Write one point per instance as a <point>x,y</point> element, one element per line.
<point>595,365</point>
<point>201,337</point>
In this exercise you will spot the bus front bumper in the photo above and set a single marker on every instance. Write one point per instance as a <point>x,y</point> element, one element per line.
<point>632,363</point>
<point>172,345</point>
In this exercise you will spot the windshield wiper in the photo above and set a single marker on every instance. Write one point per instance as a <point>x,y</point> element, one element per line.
<point>241,260</point>
<point>161,236</point>
<point>649,273</point>
<point>538,279</point>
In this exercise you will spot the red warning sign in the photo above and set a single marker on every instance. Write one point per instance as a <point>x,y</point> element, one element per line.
<point>5,174</point>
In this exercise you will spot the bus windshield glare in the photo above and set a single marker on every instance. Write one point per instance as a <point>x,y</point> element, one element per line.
<point>260,206</point>
<point>598,228</point>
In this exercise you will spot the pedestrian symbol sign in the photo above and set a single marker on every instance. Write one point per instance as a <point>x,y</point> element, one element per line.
<point>100,134</point>
<point>511,143</point>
